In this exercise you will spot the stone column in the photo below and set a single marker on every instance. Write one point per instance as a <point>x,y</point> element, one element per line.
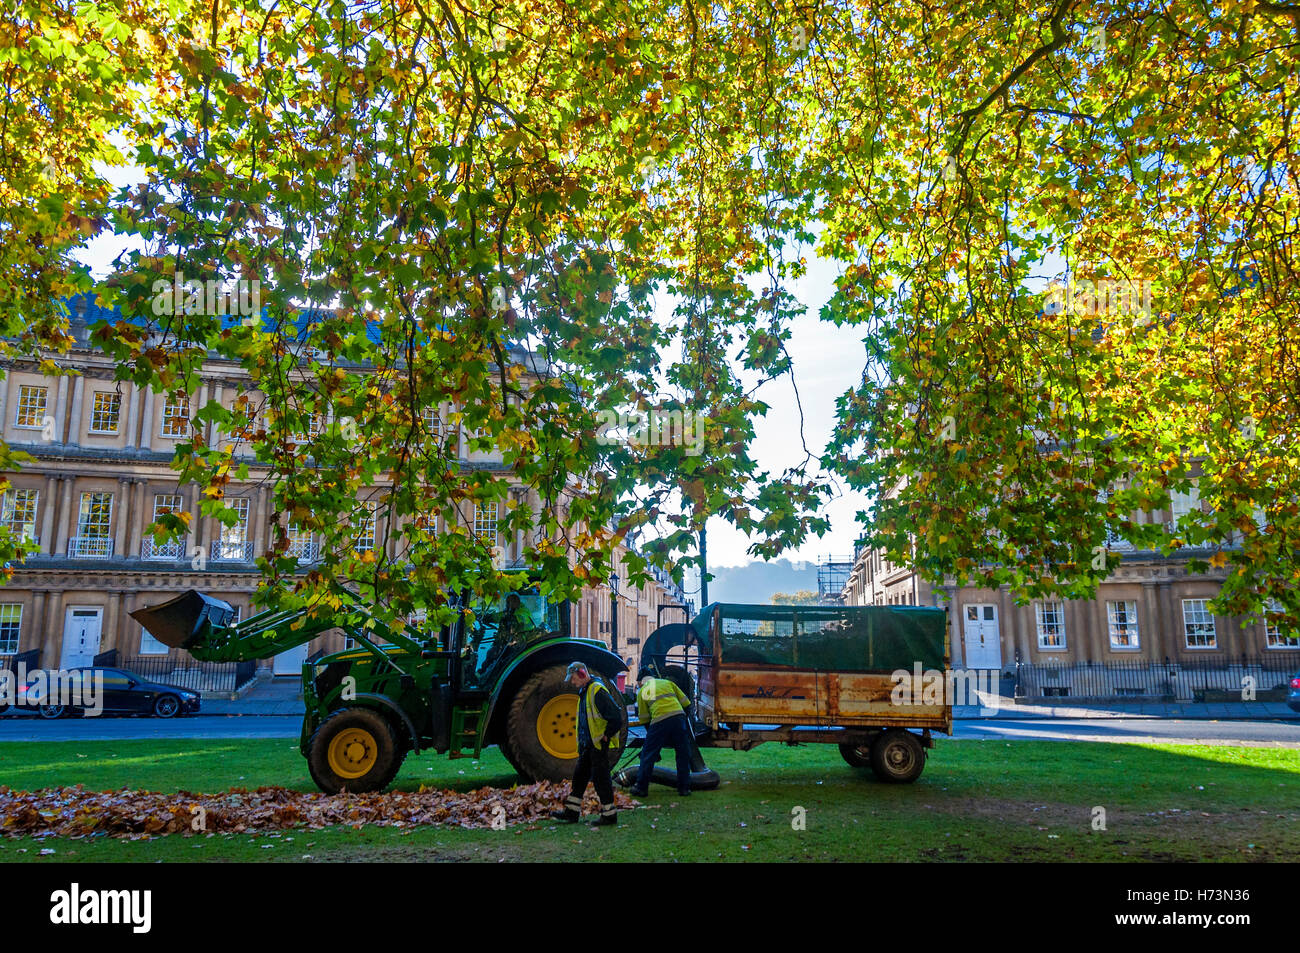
<point>200,399</point>
<point>1094,616</point>
<point>1006,641</point>
<point>1170,645</point>
<point>136,535</point>
<point>147,421</point>
<point>214,432</point>
<point>393,541</point>
<point>1027,633</point>
<point>36,630</point>
<point>956,647</point>
<point>67,517</point>
<point>52,643</point>
<point>1076,647</point>
<point>258,532</point>
<point>195,535</point>
<point>50,503</point>
<point>130,599</point>
<point>1231,637</point>
<point>110,638</point>
<point>1148,622</point>
<point>74,416</point>
<point>61,410</point>
<point>132,417</point>
<point>122,507</point>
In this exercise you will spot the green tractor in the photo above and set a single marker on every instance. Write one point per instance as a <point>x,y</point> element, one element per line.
<point>499,680</point>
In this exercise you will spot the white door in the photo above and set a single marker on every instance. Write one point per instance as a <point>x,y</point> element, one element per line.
<point>81,629</point>
<point>289,662</point>
<point>980,639</point>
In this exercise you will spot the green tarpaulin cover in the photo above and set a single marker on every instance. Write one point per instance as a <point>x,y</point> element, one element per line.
<point>828,638</point>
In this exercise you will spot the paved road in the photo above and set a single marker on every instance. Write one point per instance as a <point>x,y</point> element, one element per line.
<point>108,728</point>
<point>1272,734</point>
<point>1282,734</point>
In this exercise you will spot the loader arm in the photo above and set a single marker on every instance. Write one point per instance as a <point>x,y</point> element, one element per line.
<point>201,625</point>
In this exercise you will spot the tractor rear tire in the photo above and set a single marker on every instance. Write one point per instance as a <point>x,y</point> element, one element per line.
<point>509,755</point>
<point>897,756</point>
<point>354,750</point>
<point>542,727</point>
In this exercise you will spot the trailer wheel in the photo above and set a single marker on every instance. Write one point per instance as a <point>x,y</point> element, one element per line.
<point>857,755</point>
<point>897,756</point>
<point>354,750</point>
<point>542,726</point>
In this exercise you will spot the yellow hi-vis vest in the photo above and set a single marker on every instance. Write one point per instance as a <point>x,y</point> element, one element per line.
<point>658,699</point>
<point>596,725</point>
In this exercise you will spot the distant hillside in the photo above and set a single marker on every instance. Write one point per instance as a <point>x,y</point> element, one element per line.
<point>757,581</point>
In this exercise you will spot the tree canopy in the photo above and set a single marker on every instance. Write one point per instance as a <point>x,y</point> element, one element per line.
<point>536,213</point>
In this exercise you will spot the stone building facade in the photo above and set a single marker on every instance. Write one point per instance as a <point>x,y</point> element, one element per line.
<point>1151,608</point>
<point>102,474</point>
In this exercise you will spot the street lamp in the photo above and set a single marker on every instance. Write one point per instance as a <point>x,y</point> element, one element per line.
<point>613,613</point>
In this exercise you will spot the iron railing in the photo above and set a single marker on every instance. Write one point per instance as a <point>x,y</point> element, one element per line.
<point>183,671</point>
<point>90,547</point>
<point>30,660</point>
<point>306,550</point>
<point>1185,680</point>
<point>171,550</point>
<point>225,551</point>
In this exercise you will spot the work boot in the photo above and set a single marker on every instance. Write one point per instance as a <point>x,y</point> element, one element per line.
<point>608,815</point>
<point>572,812</point>
<point>638,792</point>
<point>684,792</point>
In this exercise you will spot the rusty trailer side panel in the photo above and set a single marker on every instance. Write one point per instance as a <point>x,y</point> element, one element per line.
<point>782,696</point>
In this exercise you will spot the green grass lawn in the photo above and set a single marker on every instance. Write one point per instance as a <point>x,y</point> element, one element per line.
<point>977,800</point>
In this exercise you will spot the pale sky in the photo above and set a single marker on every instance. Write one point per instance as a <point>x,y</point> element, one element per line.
<point>828,360</point>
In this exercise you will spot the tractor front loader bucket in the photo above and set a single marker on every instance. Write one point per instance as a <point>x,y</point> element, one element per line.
<point>178,622</point>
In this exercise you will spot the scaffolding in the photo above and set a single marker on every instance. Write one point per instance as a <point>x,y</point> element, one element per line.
<point>832,576</point>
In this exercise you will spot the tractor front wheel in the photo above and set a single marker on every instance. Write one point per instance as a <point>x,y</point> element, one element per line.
<point>542,726</point>
<point>353,750</point>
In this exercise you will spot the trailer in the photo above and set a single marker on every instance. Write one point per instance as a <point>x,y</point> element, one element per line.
<point>860,677</point>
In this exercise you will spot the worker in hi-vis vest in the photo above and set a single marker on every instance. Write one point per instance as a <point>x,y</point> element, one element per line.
<point>661,706</point>
<point>600,723</point>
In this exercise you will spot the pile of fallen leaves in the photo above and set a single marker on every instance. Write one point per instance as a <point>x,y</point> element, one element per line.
<point>76,812</point>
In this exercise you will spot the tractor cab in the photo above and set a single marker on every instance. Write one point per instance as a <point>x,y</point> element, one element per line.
<point>504,630</point>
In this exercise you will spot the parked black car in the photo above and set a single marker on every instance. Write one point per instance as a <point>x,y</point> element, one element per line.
<point>1294,698</point>
<point>125,692</point>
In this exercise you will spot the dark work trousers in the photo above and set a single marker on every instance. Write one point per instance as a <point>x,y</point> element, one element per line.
<point>593,766</point>
<point>675,733</point>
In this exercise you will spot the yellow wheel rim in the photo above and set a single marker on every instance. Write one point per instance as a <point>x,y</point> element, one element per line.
<point>557,727</point>
<point>352,752</point>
